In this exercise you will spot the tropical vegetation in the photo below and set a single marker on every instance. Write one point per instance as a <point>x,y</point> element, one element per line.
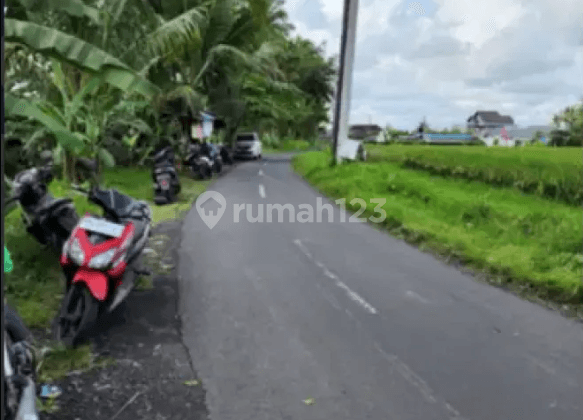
<point>115,79</point>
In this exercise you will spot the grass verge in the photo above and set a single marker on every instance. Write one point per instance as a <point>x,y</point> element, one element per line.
<point>523,241</point>
<point>35,288</point>
<point>553,173</point>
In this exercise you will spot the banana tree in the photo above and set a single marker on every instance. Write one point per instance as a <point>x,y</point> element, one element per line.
<point>87,57</point>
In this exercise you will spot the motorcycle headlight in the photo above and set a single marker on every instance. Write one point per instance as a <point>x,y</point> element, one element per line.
<point>103,260</point>
<point>76,253</point>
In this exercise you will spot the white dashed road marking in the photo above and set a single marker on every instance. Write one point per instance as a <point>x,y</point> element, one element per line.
<point>262,191</point>
<point>352,295</point>
<point>416,296</point>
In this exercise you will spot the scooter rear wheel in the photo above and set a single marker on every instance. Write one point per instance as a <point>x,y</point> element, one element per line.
<point>78,314</point>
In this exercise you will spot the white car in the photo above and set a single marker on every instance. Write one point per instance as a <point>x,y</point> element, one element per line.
<point>248,146</point>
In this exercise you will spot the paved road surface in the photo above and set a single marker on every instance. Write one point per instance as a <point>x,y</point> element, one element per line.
<point>367,326</point>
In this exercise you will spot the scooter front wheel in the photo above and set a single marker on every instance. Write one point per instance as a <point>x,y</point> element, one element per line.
<point>78,314</point>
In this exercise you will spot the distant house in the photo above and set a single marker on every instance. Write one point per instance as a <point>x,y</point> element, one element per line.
<point>488,124</point>
<point>521,136</point>
<point>367,132</point>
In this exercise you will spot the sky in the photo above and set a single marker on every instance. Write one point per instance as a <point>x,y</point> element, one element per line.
<point>446,59</point>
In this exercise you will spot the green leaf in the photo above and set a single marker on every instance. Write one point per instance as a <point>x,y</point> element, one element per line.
<point>72,7</point>
<point>119,10</point>
<point>78,100</point>
<point>177,33</point>
<point>130,141</point>
<point>78,53</point>
<point>59,79</point>
<point>21,107</point>
<point>106,158</point>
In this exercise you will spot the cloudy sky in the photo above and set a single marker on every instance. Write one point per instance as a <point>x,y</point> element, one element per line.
<point>445,59</point>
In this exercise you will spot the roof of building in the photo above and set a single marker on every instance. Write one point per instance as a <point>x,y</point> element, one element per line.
<point>528,132</point>
<point>493,117</point>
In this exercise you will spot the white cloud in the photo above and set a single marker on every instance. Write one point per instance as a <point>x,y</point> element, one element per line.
<point>480,20</point>
<point>517,57</point>
<point>333,9</point>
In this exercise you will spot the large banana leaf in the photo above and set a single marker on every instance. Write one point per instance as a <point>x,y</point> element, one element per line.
<point>21,107</point>
<point>72,7</point>
<point>79,53</point>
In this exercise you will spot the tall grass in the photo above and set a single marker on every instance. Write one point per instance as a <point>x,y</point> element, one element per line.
<point>555,173</point>
<point>526,240</point>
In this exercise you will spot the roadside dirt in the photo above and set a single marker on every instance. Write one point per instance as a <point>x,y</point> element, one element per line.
<point>147,380</point>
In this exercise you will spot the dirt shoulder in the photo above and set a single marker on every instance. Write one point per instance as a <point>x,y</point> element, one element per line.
<point>147,379</point>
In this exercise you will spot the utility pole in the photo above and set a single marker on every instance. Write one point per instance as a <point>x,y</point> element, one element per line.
<point>342,106</point>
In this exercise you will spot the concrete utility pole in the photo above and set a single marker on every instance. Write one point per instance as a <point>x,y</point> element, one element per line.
<point>342,106</point>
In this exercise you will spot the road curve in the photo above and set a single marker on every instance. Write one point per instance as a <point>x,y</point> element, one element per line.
<point>338,320</point>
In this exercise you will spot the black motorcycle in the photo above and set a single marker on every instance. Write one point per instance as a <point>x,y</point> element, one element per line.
<point>214,154</point>
<point>165,177</point>
<point>200,165</point>
<point>226,155</point>
<point>50,220</point>
<point>18,373</point>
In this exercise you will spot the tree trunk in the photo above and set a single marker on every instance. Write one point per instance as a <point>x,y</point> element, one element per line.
<point>69,166</point>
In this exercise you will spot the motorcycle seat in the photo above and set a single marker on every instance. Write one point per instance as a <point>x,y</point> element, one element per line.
<point>165,169</point>
<point>48,204</point>
<point>121,206</point>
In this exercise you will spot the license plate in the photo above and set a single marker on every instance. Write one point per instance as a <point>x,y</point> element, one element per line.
<point>102,226</point>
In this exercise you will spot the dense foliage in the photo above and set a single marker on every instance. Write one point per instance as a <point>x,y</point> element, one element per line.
<point>114,78</point>
<point>569,127</point>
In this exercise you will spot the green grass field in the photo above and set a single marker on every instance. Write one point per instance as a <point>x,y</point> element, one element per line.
<point>555,173</point>
<point>520,240</point>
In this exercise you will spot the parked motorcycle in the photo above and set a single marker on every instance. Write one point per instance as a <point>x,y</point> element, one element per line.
<point>200,165</point>
<point>101,261</point>
<point>214,155</point>
<point>50,220</point>
<point>18,373</point>
<point>226,155</point>
<point>166,182</point>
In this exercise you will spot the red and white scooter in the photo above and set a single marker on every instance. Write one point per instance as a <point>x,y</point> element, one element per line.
<point>100,261</point>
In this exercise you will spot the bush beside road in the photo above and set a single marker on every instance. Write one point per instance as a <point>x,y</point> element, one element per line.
<point>527,243</point>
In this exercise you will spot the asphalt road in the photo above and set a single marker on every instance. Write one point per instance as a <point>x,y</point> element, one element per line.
<point>365,325</point>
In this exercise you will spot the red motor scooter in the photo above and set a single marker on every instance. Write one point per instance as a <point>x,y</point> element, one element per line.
<point>100,261</point>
